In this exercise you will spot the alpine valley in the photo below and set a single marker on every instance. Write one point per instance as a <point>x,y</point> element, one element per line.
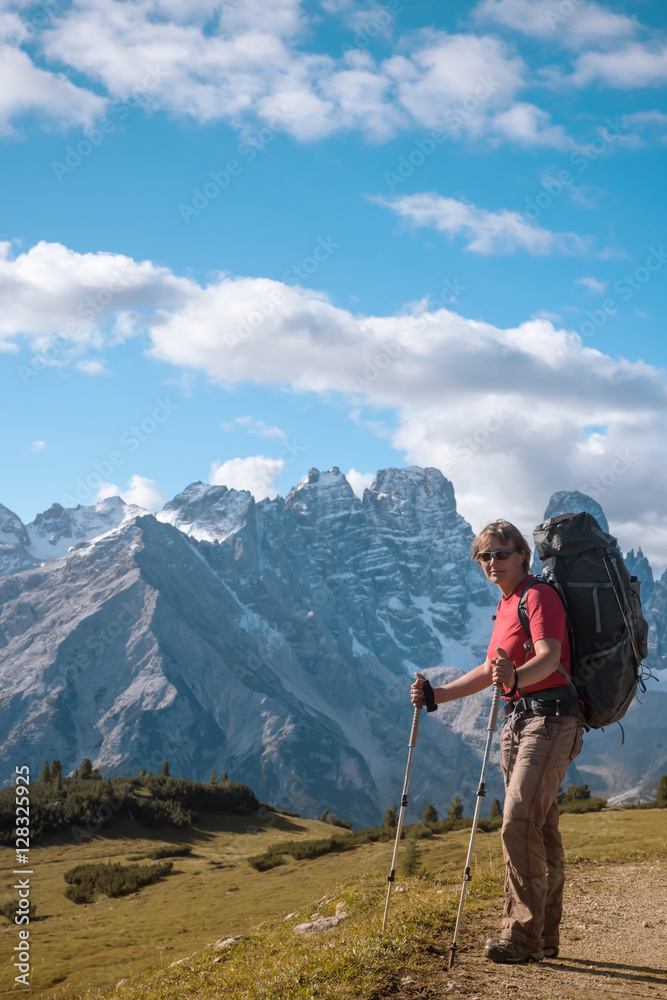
<point>276,641</point>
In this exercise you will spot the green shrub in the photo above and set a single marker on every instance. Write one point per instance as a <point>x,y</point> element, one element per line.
<point>574,793</point>
<point>170,851</point>
<point>344,824</point>
<point>490,824</point>
<point>9,909</point>
<point>86,804</point>
<point>263,862</point>
<point>84,881</point>
<point>582,805</point>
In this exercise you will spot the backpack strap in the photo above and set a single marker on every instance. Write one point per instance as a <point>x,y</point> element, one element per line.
<point>522,609</point>
<point>524,621</point>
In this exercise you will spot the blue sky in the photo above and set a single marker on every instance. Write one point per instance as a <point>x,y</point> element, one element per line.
<point>240,240</point>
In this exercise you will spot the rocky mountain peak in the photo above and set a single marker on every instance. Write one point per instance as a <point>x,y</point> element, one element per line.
<point>322,493</point>
<point>426,493</point>
<point>208,512</point>
<point>54,513</point>
<point>12,529</point>
<point>57,529</point>
<point>571,502</point>
<point>639,566</point>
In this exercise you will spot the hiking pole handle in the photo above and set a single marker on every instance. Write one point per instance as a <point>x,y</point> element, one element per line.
<point>495,705</point>
<point>429,701</point>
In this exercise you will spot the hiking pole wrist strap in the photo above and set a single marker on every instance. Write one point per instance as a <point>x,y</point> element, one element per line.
<point>510,694</point>
<point>429,697</point>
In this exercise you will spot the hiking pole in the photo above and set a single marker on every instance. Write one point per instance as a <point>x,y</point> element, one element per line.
<point>481,792</point>
<point>429,701</point>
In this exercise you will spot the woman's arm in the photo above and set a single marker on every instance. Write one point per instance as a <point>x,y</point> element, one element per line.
<point>475,680</point>
<point>499,670</point>
<point>545,661</point>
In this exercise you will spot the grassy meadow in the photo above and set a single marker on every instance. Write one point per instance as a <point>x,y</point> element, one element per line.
<point>85,950</point>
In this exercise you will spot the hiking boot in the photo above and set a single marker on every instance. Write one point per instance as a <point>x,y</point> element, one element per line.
<point>550,951</point>
<point>510,952</point>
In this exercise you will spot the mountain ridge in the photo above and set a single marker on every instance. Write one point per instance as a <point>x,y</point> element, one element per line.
<point>271,640</point>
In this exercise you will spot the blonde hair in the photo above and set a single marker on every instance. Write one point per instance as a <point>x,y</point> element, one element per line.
<point>508,534</point>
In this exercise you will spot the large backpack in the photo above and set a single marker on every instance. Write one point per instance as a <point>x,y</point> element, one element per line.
<point>608,633</point>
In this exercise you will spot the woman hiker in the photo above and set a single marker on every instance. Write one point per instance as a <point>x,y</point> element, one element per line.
<point>543,734</point>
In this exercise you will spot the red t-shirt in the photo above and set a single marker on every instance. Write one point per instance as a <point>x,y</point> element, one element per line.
<point>546,615</point>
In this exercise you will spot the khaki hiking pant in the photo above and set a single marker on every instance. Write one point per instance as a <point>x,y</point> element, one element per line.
<point>535,752</point>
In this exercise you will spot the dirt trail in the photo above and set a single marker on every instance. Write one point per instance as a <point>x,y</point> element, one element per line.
<point>613,945</point>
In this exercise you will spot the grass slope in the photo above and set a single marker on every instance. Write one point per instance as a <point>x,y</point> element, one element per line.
<point>214,893</point>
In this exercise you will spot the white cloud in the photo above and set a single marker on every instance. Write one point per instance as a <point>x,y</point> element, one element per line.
<point>455,81</point>
<point>38,445</point>
<point>593,285</point>
<point>253,426</point>
<point>92,367</point>
<point>247,62</point>
<point>634,65</point>
<point>256,474</point>
<point>551,316</point>
<point>485,232</point>
<point>503,412</point>
<point>27,89</point>
<point>359,481</point>
<point>609,49</point>
<point>51,292</point>
<point>576,24</point>
<point>140,491</point>
<point>527,125</point>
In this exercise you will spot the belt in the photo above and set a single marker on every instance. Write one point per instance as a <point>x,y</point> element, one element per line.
<point>550,701</point>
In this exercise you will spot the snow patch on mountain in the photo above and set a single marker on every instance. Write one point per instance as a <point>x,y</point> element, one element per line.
<point>57,529</point>
<point>208,513</point>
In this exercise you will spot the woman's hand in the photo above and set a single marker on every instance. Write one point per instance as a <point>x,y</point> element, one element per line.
<point>416,692</point>
<point>503,669</point>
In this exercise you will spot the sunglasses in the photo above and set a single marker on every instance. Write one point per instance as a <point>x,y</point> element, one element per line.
<point>500,554</point>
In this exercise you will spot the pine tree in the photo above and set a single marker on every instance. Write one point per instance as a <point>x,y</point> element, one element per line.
<point>430,815</point>
<point>86,769</point>
<point>455,809</point>
<point>58,783</point>
<point>56,768</point>
<point>391,817</point>
<point>164,773</point>
<point>496,810</point>
<point>214,777</point>
<point>46,773</point>
<point>661,797</point>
